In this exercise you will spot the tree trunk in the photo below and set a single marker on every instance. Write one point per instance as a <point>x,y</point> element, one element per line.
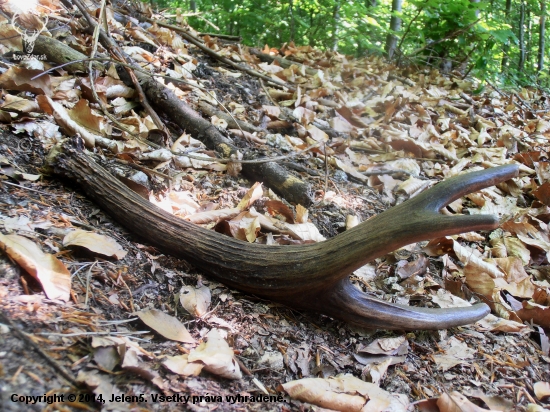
<point>542,33</point>
<point>292,25</point>
<point>521,37</point>
<point>506,46</point>
<point>528,53</point>
<point>395,26</point>
<point>335,25</point>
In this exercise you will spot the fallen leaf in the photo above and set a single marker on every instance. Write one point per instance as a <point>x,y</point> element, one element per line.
<point>387,346</point>
<point>456,402</point>
<point>99,383</point>
<point>20,78</point>
<point>47,269</point>
<point>345,393</point>
<point>456,352</point>
<point>253,194</point>
<point>217,356</point>
<point>96,243</point>
<point>165,325</point>
<point>107,357</point>
<point>534,313</point>
<point>196,301</point>
<point>213,215</point>
<point>542,391</point>
<point>378,370</point>
<point>492,323</point>
<point>494,402</point>
<point>181,365</point>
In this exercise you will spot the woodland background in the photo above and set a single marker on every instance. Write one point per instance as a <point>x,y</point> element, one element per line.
<point>503,41</point>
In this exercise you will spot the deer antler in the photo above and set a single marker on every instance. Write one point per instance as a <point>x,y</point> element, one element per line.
<point>311,276</point>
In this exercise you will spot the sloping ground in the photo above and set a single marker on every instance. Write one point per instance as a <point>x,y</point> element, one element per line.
<point>375,135</point>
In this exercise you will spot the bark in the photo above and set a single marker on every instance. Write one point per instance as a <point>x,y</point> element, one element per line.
<point>395,26</point>
<point>506,46</point>
<point>61,53</point>
<point>335,25</point>
<point>521,62</point>
<point>542,34</point>
<point>292,23</point>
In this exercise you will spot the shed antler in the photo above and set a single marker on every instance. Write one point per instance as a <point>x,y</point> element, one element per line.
<point>311,276</point>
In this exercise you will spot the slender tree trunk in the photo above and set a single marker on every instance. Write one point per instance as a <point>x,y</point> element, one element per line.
<point>292,26</point>
<point>542,33</point>
<point>193,6</point>
<point>336,25</point>
<point>506,46</point>
<point>529,33</point>
<point>521,38</point>
<point>395,26</point>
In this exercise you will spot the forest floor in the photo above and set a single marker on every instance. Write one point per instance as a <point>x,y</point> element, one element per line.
<point>100,337</point>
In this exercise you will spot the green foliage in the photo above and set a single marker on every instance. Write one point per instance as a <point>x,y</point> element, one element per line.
<point>479,39</point>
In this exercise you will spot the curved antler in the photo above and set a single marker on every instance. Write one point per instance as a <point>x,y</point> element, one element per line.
<point>312,276</point>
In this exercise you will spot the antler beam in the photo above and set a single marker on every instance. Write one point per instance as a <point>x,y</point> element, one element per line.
<point>311,276</point>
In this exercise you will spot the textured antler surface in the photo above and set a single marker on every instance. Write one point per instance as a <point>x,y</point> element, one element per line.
<point>311,276</point>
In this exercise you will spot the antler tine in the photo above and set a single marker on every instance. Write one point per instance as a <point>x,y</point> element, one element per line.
<point>345,302</point>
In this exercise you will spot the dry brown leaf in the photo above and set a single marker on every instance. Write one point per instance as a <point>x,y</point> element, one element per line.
<point>494,402</point>
<point>99,383</point>
<point>345,393</point>
<point>251,137</point>
<point>492,323</point>
<point>272,111</point>
<point>64,120</point>
<point>542,390</point>
<point>253,194</point>
<point>349,169</point>
<point>47,269</point>
<point>377,371</point>
<point>456,352</point>
<point>387,346</point>
<point>196,301</point>
<point>213,216</point>
<point>456,402</point>
<point>96,243</point>
<point>165,325</point>
<point>277,208</point>
<point>306,231</point>
<point>245,226</point>
<point>181,365</point>
<point>535,313</point>
<point>217,356</point>
<point>19,78</point>
<point>19,104</point>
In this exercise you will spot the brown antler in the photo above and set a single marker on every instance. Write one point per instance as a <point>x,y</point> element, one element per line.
<point>312,276</point>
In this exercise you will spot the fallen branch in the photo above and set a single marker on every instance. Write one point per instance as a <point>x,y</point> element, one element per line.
<point>164,100</point>
<point>311,276</point>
